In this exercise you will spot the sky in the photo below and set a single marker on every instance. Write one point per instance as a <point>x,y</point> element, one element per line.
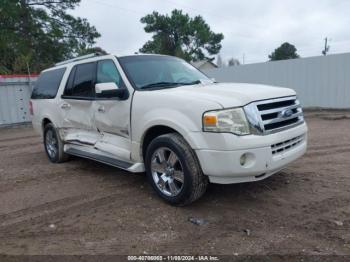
<point>252,28</point>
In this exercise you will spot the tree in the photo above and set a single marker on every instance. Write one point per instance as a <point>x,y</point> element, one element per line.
<point>91,50</point>
<point>285,51</point>
<point>35,34</point>
<point>180,35</point>
<point>233,62</point>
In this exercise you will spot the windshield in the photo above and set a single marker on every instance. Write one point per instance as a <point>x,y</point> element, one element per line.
<point>155,71</point>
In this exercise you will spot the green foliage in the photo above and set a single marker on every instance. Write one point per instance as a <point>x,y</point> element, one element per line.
<point>38,33</point>
<point>92,50</point>
<point>233,62</point>
<point>285,51</point>
<point>182,36</point>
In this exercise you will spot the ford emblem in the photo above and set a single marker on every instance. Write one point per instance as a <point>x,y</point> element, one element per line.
<point>286,113</point>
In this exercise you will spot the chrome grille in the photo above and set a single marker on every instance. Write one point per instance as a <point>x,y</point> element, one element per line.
<point>286,145</point>
<point>274,115</point>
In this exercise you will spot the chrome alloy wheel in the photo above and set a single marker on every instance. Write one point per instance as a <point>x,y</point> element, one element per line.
<point>51,143</point>
<point>167,171</point>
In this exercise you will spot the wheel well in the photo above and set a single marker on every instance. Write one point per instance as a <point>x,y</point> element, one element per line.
<point>45,122</point>
<point>152,133</point>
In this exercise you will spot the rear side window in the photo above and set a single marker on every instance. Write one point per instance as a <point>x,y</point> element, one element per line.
<point>80,82</point>
<point>47,85</point>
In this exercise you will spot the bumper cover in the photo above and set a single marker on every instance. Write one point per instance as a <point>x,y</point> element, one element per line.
<point>225,167</point>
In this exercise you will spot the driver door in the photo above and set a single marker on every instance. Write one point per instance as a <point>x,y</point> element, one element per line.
<point>112,115</point>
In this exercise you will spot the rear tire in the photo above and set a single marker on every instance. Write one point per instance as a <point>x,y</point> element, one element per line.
<point>173,170</point>
<point>54,145</point>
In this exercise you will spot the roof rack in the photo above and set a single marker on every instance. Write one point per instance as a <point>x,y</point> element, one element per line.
<point>79,58</point>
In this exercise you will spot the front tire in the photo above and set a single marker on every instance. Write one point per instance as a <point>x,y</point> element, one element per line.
<point>174,171</point>
<point>54,145</point>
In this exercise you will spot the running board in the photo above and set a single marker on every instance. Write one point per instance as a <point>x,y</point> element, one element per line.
<point>73,150</point>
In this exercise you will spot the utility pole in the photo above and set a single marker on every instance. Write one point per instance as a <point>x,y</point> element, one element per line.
<point>243,60</point>
<point>326,47</point>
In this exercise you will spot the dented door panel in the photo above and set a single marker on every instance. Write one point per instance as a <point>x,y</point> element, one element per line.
<point>77,114</point>
<point>112,117</point>
<point>80,136</point>
<point>112,121</point>
<point>116,145</point>
<point>78,121</point>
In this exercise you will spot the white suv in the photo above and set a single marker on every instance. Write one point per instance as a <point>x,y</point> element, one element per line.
<point>161,115</point>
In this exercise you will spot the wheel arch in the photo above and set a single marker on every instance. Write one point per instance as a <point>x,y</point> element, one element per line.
<point>44,122</point>
<point>153,132</point>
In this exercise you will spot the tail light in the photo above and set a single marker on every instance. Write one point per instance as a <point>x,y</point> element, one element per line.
<point>31,108</point>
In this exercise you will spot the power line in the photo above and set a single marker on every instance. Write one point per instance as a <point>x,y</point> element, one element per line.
<point>213,14</point>
<point>118,7</point>
<point>176,5</point>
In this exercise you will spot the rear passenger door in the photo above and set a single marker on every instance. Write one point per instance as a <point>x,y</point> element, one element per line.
<point>76,104</point>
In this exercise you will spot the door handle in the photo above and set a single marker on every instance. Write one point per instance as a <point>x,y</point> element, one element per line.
<point>65,106</point>
<point>101,109</point>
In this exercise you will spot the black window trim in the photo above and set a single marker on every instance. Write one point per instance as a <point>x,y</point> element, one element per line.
<point>63,96</point>
<point>78,97</point>
<point>88,98</point>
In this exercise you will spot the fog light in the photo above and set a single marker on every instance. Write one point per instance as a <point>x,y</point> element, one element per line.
<point>243,159</point>
<point>247,160</point>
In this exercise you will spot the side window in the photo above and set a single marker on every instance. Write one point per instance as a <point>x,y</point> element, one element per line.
<point>107,72</point>
<point>48,83</point>
<point>80,81</point>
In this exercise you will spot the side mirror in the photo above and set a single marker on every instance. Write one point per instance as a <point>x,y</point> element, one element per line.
<point>109,90</point>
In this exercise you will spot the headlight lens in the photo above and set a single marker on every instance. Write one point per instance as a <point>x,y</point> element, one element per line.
<point>228,120</point>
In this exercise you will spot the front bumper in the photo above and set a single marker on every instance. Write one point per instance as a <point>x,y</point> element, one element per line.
<point>225,167</point>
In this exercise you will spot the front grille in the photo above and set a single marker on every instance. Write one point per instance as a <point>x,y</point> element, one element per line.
<point>274,115</point>
<point>286,145</point>
<point>273,105</point>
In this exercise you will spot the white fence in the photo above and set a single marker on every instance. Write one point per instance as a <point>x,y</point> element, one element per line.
<point>14,99</point>
<point>319,81</point>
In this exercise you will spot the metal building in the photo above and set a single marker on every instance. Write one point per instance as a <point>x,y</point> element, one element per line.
<point>322,81</point>
<point>15,93</point>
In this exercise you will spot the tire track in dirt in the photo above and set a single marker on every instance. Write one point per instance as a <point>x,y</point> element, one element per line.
<point>316,209</point>
<point>329,151</point>
<point>55,209</point>
<point>327,147</point>
<point>18,138</point>
<point>14,217</point>
<point>21,146</point>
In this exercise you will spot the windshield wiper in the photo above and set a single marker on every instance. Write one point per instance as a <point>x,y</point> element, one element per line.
<point>190,83</point>
<point>159,84</point>
<point>168,84</point>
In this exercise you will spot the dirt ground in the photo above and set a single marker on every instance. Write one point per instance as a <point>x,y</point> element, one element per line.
<point>83,207</point>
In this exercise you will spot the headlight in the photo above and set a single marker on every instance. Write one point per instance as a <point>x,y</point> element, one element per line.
<point>226,121</point>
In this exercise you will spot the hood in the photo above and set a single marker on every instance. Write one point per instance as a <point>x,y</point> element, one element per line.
<point>232,94</point>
